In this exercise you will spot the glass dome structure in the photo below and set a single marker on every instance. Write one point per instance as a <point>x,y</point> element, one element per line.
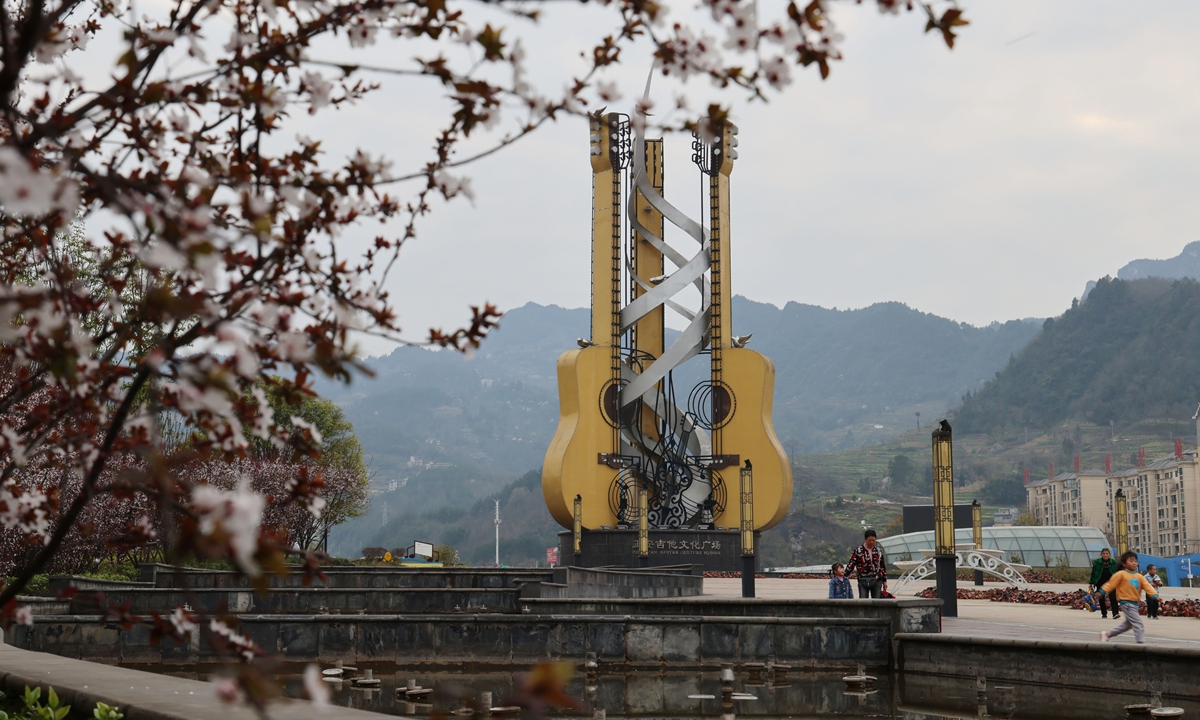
<point>1040,547</point>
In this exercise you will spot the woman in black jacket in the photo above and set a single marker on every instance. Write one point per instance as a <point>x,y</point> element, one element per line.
<point>1103,568</point>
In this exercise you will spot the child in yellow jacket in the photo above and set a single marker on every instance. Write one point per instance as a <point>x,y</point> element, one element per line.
<point>1128,585</point>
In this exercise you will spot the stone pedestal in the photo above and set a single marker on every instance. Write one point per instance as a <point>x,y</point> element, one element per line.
<point>716,550</point>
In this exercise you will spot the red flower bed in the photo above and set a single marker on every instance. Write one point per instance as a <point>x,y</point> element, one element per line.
<point>1166,608</point>
<point>724,574</point>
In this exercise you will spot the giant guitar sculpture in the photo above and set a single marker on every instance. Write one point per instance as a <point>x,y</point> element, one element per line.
<point>621,429</point>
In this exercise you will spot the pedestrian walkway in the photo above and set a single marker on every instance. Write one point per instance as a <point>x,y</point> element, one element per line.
<point>984,618</point>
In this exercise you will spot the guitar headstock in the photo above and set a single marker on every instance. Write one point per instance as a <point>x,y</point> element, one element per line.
<point>725,147</point>
<point>607,131</point>
<point>716,157</point>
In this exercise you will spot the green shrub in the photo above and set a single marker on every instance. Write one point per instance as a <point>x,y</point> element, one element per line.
<point>30,707</point>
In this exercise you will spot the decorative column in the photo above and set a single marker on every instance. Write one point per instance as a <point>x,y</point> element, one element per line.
<point>945,554</point>
<point>747,477</point>
<point>977,534</point>
<point>643,525</point>
<point>578,539</point>
<point>1121,522</point>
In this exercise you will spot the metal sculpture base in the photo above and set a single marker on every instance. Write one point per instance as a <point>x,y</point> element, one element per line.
<point>715,550</point>
<point>988,562</point>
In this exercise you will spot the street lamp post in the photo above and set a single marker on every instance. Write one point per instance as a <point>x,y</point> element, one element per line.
<point>977,535</point>
<point>643,526</point>
<point>945,553</point>
<point>578,531</point>
<point>1121,522</point>
<point>497,533</point>
<point>747,478</point>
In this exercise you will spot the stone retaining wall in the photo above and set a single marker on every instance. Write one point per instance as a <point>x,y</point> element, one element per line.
<point>598,583</point>
<point>1092,666</point>
<point>167,576</point>
<point>316,601</point>
<point>915,615</point>
<point>940,696</point>
<point>503,640</point>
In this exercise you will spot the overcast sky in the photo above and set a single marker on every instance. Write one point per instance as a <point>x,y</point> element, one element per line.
<point>1056,142</point>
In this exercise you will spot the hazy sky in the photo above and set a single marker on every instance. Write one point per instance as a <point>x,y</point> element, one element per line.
<point>1056,142</point>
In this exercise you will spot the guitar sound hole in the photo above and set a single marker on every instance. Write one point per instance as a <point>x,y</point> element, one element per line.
<point>722,405</point>
<point>711,404</point>
<point>610,399</point>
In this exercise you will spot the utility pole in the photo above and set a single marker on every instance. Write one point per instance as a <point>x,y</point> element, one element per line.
<point>918,420</point>
<point>497,533</point>
<point>385,513</point>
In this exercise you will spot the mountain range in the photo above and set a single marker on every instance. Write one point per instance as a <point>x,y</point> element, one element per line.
<point>1126,353</point>
<point>448,436</point>
<point>844,378</point>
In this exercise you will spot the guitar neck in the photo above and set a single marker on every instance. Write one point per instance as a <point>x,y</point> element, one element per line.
<point>720,165</point>
<point>615,266</point>
<point>717,258</point>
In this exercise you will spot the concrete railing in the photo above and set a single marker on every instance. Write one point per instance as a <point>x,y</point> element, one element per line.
<point>139,695</point>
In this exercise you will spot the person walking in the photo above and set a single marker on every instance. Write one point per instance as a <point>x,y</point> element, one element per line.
<point>1152,600</point>
<point>868,566</point>
<point>839,584</point>
<point>1103,569</point>
<point>1127,586</point>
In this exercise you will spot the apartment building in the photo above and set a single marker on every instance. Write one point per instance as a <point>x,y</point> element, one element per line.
<point>1074,499</point>
<point>1163,505</point>
<point>1162,502</point>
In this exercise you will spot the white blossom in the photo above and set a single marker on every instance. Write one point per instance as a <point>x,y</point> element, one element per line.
<point>318,88</point>
<point>310,427</point>
<point>608,91</point>
<point>23,615</point>
<point>450,185</point>
<point>361,32</point>
<point>23,190</point>
<point>237,514</point>
<point>182,621</point>
<point>315,687</point>
<point>777,72</point>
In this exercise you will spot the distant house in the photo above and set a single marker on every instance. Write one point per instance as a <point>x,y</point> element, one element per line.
<point>1005,517</point>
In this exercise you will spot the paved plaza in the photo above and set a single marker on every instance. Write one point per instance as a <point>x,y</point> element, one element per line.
<point>984,618</point>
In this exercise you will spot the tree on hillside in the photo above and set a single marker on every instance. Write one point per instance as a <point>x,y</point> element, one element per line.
<point>902,472</point>
<point>215,247</point>
<point>1124,355</point>
<point>1004,490</point>
<point>341,456</point>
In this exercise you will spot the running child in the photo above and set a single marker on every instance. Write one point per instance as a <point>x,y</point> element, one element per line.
<point>1128,585</point>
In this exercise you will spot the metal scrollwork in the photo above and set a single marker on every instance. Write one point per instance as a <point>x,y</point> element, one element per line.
<point>987,561</point>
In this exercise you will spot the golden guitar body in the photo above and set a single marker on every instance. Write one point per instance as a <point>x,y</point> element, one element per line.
<point>571,467</point>
<point>750,434</point>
